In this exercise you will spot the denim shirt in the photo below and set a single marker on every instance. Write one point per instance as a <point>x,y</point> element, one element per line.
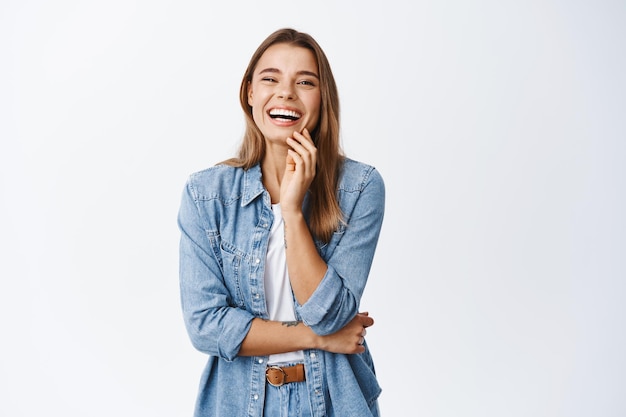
<point>225,220</point>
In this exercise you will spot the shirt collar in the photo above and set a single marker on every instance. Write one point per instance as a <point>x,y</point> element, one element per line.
<point>252,185</point>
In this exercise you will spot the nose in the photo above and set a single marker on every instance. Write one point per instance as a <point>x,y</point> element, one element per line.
<point>286,92</point>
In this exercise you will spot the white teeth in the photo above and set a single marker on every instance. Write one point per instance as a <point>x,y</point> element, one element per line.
<point>285,112</point>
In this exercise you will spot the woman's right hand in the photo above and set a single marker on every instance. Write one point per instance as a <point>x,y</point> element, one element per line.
<point>349,339</point>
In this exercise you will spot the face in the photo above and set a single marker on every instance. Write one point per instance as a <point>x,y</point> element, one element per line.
<point>284,92</point>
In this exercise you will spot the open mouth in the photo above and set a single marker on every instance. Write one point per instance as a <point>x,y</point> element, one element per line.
<point>284,115</point>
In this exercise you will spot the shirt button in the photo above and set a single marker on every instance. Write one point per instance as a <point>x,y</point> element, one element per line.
<point>317,392</point>
<point>256,396</point>
<point>256,295</point>
<point>258,261</point>
<point>312,355</point>
<point>260,360</point>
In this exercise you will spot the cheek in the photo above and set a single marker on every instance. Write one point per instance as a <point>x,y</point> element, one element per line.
<point>257,114</point>
<point>316,106</point>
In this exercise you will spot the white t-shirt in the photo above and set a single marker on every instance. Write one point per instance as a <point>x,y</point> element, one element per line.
<point>278,292</point>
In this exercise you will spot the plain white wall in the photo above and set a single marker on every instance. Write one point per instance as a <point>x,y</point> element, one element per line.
<point>498,287</point>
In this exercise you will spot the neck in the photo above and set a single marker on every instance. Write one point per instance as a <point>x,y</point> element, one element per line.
<point>273,169</point>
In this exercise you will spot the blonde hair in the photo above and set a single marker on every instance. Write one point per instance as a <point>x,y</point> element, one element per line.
<point>323,209</point>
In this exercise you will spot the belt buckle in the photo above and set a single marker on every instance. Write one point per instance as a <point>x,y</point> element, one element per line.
<point>277,368</point>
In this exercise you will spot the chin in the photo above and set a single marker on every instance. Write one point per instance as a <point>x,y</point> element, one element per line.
<point>282,139</point>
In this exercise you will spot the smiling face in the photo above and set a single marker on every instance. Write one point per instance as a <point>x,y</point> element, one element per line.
<point>284,92</point>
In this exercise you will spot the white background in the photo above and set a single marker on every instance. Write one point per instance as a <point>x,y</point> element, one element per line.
<point>499,126</point>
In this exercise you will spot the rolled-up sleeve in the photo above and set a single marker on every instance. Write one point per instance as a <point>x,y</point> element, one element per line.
<point>349,257</point>
<point>214,326</point>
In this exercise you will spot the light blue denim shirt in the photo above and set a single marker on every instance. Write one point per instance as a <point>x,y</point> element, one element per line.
<point>225,220</point>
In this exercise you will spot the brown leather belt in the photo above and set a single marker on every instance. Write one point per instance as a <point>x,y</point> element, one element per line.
<point>278,376</point>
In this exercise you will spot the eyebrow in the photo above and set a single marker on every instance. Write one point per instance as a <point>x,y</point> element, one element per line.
<point>276,70</point>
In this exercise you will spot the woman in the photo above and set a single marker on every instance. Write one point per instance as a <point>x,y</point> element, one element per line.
<point>276,247</point>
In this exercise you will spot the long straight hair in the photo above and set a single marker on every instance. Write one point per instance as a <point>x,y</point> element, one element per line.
<point>324,211</point>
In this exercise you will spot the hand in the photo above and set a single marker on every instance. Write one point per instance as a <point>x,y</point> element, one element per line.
<point>349,339</point>
<point>300,168</point>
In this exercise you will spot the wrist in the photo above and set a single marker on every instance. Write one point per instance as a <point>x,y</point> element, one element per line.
<point>291,215</point>
<point>315,340</point>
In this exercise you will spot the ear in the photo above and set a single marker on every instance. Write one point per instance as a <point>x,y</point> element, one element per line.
<point>249,93</point>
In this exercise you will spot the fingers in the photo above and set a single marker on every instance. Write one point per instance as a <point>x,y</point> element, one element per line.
<point>303,145</point>
<point>301,140</point>
<point>351,338</point>
<point>293,159</point>
<point>304,137</point>
<point>365,320</point>
<point>290,162</point>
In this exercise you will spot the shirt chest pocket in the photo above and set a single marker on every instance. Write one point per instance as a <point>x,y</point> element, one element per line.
<point>238,269</point>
